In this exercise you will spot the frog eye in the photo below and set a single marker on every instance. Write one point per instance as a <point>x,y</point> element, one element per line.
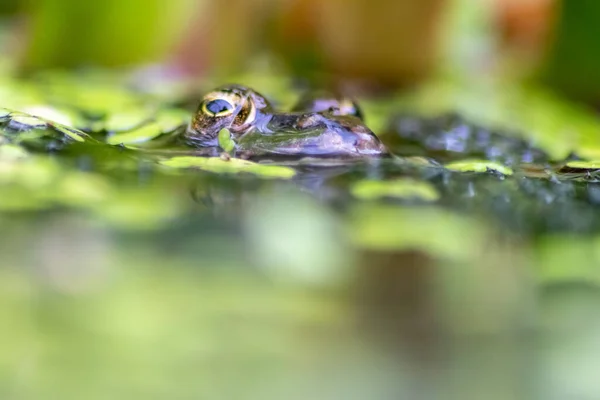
<point>218,107</point>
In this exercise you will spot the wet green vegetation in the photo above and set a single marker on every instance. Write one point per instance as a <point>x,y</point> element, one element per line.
<point>132,268</point>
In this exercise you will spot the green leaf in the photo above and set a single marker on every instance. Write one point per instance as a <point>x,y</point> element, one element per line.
<point>28,121</point>
<point>126,120</point>
<point>400,188</point>
<point>231,166</point>
<point>141,134</point>
<point>74,134</point>
<point>225,141</point>
<point>478,166</point>
<point>584,164</point>
<point>50,114</point>
<point>172,118</point>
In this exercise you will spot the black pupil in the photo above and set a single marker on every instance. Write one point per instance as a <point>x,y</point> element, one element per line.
<point>218,106</point>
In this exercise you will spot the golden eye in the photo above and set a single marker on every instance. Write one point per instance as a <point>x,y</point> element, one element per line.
<point>217,108</point>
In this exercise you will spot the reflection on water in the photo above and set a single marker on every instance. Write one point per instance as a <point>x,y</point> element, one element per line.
<point>248,288</point>
<point>136,274</point>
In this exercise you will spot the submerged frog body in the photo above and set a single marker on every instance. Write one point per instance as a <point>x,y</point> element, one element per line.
<point>328,128</point>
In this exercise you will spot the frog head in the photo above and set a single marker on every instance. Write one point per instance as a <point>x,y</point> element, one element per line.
<point>234,107</point>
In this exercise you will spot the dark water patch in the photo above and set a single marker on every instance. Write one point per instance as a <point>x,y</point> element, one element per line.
<point>450,137</point>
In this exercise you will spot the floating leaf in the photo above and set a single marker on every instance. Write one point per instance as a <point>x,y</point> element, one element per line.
<point>172,118</point>
<point>102,101</point>
<point>225,141</point>
<point>50,114</point>
<point>139,135</point>
<point>73,133</point>
<point>400,188</point>
<point>120,121</point>
<point>22,122</point>
<point>231,166</point>
<point>584,164</point>
<point>479,166</point>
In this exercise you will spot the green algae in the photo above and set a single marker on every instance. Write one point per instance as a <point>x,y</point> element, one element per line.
<point>142,134</point>
<point>126,120</point>
<point>72,133</point>
<point>583,164</point>
<point>480,166</point>
<point>27,121</point>
<point>170,119</point>
<point>404,188</point>
<point>230,166</point>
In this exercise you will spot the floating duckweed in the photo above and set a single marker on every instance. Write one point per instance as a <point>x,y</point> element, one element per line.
<point>141,134</point>
<point>95,126</point>
<point>479,166</point>
<point>172,118</point>
<point>272,171</point>
<point>406,188</point>
<point>74,134</point>
<point>422,161</point>
<point>102,101</point>
<point>416,161</point>
<point>231,166</point>
<point>30,126</point>
<point>584,164</point>
<point>126,120</point>
<point>24,122</point>
<point>50,114</point>
<point>17,95</point>
<point>225,141</point>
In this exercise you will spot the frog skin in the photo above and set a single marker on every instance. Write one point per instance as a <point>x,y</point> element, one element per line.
<point>260,131</point>
<point>323,101</point>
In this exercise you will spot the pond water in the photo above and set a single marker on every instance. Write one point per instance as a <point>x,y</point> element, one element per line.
<point>465,266</point>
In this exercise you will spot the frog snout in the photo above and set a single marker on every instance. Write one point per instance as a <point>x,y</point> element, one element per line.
<point>369,144</point>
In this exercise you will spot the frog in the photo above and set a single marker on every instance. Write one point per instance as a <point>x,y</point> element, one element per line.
<point>322,127</point>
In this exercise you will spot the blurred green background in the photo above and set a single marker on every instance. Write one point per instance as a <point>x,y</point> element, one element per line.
<point>120,280</point>
<point>376,44</point>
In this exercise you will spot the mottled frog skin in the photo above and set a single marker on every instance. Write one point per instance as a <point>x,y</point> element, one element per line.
<point>316,127</point>
<point>323,101</point>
